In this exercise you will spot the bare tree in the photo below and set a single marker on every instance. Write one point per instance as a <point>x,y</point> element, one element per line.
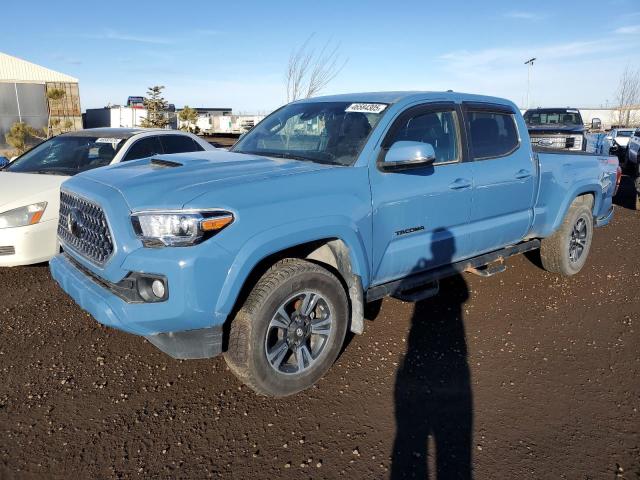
<point>628,97</point>
<point>309,70</point>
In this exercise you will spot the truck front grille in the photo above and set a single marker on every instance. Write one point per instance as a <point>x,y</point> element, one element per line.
<point>83,227</point>
<point>557,142</point>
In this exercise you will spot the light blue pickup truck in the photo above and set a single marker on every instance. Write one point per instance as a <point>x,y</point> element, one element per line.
<point>268,252</point>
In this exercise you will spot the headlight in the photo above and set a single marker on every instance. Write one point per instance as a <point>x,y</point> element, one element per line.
<point>178,229</point>
<point>23,216</point>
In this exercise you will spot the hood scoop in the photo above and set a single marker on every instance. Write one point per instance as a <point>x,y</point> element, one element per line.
<point>165,163</point>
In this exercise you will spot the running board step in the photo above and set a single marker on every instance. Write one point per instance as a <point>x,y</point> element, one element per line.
<point>417,294</point>
<point>487,270</point>
<point>397,287</point>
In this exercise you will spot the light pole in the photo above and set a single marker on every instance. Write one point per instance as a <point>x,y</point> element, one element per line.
<point>530,63</point>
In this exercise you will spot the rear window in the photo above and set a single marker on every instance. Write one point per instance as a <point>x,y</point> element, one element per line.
<point>492,134</point>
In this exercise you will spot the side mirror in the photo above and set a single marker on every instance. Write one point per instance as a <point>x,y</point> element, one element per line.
<point>406,155</point>
<point>4,161</point>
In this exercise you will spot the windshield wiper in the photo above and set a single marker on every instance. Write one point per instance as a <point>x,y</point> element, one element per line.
<point>289,156</point>
<point>277,155</point>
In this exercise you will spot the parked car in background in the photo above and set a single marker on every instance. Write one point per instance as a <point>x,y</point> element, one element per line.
<point>556,128</point>
<point>633,155</point>
<point>616,142</point>
<point>271,250</point>
<point>30,185</point>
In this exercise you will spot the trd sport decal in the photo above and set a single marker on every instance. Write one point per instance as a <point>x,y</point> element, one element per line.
<point>409,230</point>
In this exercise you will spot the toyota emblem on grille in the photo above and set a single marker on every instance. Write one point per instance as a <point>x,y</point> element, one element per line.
<point>74,222</point>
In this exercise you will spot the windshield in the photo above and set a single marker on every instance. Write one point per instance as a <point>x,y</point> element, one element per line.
<point>552,117</point>
<point>624,133</point>
<point>322,132</point>
<point>67,155</point>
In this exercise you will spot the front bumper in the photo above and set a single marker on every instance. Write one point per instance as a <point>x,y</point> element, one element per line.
<point>176,326</point>
<point>28,245</point>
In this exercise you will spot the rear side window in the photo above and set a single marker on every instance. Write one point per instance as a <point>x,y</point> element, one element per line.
<point>491,134</point>
<point>179,144</point>
<point>145,147</point>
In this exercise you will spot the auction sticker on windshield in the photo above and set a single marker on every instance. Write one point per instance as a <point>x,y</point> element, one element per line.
<point>366,108</point>
<point>113,141</point>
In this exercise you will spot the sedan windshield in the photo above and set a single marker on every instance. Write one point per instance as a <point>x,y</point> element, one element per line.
<point>67,155</point>
<point>322,132</point>
<point>552,117</point>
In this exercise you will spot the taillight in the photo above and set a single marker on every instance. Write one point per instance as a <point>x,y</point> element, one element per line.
<point>618,178</point>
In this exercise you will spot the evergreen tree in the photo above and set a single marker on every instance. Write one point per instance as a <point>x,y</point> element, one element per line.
<point>189,116</point>
<point>156,107</point>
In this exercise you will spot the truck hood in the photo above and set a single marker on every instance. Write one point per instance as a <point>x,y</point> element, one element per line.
<point>555,129</point>
<point>171,181</point>
<point>21,189</point>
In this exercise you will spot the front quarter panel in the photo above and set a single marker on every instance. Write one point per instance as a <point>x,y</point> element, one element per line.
<point>332,202</point>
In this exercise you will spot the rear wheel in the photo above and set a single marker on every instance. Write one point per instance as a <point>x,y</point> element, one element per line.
<point>290,329</point>
<point>566,251</point>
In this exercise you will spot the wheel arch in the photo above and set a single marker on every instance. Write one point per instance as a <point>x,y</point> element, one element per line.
<point>586,193</point>
<point>346,258</point>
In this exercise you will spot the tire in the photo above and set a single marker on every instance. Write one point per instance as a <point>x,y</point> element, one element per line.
<point>311,302</point>
<point>566,251</point>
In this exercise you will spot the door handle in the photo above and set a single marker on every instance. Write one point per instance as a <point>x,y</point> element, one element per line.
<point>521,174</point>
<point>459,184</point>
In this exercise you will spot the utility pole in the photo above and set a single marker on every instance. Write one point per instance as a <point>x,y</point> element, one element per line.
<point>530,63</point>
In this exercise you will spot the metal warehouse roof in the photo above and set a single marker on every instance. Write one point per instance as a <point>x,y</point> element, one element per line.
<point>14,69</point>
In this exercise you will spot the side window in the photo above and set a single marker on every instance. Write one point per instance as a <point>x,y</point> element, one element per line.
<point>437,128</point>
<point>491,134</point>
<point>179,144</point>
<point>145,147</point>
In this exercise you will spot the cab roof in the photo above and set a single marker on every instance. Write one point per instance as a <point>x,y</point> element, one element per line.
<point>407,96</point>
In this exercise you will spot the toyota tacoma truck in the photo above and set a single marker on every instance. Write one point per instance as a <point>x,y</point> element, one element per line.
<point>267,253</point>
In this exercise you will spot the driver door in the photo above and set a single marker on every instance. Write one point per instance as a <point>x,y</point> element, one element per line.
<point>421,216</point>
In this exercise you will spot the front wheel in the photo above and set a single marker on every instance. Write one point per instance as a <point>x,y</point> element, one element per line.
<point>290,329</point>
<point>565,252</point>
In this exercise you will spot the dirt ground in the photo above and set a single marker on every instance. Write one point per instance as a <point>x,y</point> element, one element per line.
<point>521,375</point>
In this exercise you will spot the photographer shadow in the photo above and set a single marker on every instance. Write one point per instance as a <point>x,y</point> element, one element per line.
<point>433,397</point>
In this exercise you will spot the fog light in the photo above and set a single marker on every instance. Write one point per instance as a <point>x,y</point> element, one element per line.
<point>157,287</point>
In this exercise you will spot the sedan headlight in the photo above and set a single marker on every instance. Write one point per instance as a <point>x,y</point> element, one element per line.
<point>178,229</point>
<point>23,216</point>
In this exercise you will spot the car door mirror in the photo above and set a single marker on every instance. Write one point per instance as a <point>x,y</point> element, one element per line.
<point>406,155</point>
<point>4,161</point>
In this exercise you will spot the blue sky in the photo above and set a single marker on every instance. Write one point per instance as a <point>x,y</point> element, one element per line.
<point>234,53</point>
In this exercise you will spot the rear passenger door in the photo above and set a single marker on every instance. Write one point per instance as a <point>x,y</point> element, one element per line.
<point>505,177</point>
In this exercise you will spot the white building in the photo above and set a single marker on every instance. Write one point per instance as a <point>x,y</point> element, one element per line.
<point>23,96</point>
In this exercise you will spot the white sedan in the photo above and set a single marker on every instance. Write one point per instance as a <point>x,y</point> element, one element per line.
<point>30,185</point>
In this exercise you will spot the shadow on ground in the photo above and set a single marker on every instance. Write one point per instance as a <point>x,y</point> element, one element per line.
<point>627,196</point>
<point>433,398</point>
